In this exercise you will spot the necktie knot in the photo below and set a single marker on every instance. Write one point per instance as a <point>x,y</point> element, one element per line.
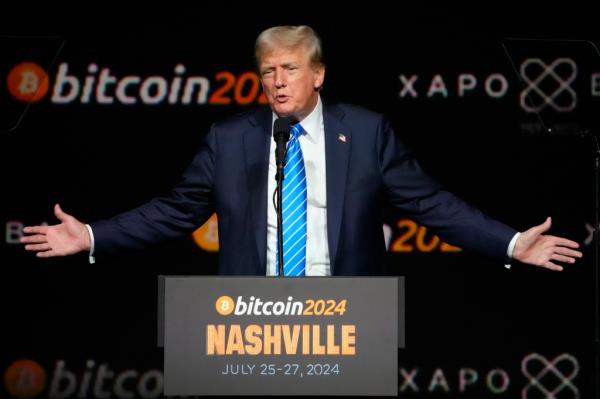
<point>296,130</point>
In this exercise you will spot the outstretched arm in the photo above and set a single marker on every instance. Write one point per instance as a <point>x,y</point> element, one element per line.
<point>66,238</point>
<point>539,249</point>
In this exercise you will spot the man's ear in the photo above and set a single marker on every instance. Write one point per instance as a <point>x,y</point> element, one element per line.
<point>319,77</point>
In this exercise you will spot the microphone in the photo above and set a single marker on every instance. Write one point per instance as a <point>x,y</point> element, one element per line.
<point>281,134</point>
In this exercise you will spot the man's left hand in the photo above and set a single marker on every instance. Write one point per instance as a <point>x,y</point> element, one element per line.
<point>536,248</point>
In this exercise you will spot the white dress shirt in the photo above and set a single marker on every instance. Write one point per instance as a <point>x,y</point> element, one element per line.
<point>312,142</point>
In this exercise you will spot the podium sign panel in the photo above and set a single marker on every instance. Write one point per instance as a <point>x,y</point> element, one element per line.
<point>281,336</point>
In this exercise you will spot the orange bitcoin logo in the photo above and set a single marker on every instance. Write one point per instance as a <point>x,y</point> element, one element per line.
<point>224,305</point>
<point>207,236</point>
<point>27,82</point>
<point>24,379</point>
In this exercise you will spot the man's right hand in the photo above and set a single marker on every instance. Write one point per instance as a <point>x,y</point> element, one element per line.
<point>67,238</point>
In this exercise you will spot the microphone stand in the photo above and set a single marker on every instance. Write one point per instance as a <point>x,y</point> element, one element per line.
<point>278,209</point>
<point>281,135</point>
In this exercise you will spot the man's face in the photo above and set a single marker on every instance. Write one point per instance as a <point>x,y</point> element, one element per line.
<point>289,81</point>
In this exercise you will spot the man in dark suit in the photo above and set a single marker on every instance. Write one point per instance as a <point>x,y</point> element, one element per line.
<point>353,165</point>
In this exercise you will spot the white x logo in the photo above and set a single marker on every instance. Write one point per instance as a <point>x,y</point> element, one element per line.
<point>565,373</point>
<point>548,71</point>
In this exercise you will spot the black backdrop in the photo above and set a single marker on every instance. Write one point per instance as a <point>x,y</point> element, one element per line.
<point>467,316</point>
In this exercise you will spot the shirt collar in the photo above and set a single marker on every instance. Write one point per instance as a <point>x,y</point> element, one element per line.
<point>312,123</point>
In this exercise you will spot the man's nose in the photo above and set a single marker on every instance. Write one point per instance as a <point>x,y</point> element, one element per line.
<point>279,80</point>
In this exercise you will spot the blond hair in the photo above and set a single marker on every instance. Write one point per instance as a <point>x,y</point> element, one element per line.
<point>289,37</point>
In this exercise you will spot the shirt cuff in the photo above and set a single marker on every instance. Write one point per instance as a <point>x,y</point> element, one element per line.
<point>91,257</point>
<point>510,250</point>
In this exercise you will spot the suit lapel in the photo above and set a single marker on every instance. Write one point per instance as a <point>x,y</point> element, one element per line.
<point>256,152</point>
<point>337,154</point>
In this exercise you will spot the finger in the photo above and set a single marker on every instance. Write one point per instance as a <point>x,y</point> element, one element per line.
<point>541,228</point>
<point>35,229</point>
<point>58,212</point>
<point>37,247</point>
<point>548,265</point>
<point>566,243</point>
<point>568,252</point>
<point>562,258</point>
<point>46,254</point>
<point>38,238</point>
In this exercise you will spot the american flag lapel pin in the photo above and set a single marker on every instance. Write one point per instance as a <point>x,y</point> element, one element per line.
<point>341,137</point>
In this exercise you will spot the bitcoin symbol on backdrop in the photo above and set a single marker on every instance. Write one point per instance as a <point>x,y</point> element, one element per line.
<point>27,81</point>
<point>24,379</point>
<point>212,233</point>
<point>224,305</point>
<point>207,235</point>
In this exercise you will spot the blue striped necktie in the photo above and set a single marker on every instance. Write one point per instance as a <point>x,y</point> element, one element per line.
<point>294,208</point>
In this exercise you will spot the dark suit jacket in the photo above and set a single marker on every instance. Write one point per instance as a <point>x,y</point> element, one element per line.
<point>364,173</point>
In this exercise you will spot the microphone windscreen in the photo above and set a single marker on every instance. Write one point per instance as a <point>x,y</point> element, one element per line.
<point>282,126</point>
